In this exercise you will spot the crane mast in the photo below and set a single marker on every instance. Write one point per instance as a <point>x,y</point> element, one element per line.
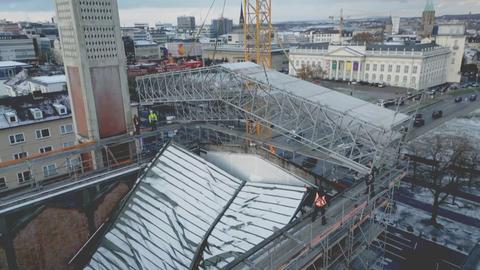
<point>258,31</point>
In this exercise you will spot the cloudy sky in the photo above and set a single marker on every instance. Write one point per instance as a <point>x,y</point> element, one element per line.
<point>152,11</point>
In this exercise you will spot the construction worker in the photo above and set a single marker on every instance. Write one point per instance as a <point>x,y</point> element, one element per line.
<point>320,204</point>
<point>152,120</point>
<point>370,180</point>
<point>136,124</point>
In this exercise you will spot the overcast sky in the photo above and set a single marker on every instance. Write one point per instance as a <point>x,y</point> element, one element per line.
<point>152,11</point>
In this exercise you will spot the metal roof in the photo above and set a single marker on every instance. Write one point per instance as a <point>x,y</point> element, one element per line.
<point>11,64</point>
<point>344,104</point>
<point>407,47</point>
<point>168,213</point>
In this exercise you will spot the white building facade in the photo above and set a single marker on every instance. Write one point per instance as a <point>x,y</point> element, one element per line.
<point>453,36</point>
<point>416,67</point>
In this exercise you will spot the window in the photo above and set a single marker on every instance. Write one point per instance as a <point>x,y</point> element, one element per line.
<point>68,144</point>
<point>406,69</point>
<point>366,77</point>
<point>414,80</point>
<point>374,77</point>
<point>3,183</point>
<point>42,133</point>
<point>21,155</point>
<point>66,129</point>
<point>390,68</point>
<point>382,68</point>
<point>397,69</point>
<point>46,149</point>
<point>49,170</point>
<point>367,68</point>
<point>17,138</point>
<point>74,164</point>
<point>397,78</point>
<point>389,78</point>
<point>405,79</point>
<point>415,68</point>
<point>24,177</point>
<point>381,77</point>
<point>374,67</point>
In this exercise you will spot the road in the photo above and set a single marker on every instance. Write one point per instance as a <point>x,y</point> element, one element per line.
<point>451,110</point>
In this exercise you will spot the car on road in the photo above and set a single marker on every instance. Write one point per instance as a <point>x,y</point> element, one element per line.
<point>473,98</point>
<point>418,97</point>
<point>437,114</point>
<point>458,99</point>
<point>420,122</point>
<point>381,85</point>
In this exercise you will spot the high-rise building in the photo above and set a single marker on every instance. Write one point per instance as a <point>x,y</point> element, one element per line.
<point>428,19</point>
<point>95,64</point>
<point>221,26</point>
<point>185,23</point>
<point>395,25</point>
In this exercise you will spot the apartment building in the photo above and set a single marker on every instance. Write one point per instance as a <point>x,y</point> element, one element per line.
<point>33,127</point>
<point>16,48</point>
<point>417,66</point>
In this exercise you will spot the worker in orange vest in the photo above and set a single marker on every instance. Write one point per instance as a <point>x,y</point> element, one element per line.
<point>320,204</point>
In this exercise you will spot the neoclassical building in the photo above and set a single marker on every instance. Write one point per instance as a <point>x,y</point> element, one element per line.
<point>417,66</point>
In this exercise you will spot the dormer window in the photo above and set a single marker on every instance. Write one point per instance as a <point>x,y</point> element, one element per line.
<point>11,117</point>
<point>37,114</point>
<point>61,109</point>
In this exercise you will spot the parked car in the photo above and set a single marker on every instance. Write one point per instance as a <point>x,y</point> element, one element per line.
<point>419,122</point>
<point>473,97</point>
<point>418,116</point>
<point>381,85</point>
<point>458,99</point>
<point>418,97</point>
<point>437,114</point>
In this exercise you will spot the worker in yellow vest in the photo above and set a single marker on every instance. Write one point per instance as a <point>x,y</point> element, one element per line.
<point>152,120</point>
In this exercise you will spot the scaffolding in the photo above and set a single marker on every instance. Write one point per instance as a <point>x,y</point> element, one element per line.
<point>220,99</point>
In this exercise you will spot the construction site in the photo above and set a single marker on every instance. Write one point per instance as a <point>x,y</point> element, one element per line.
<point>221,182</point>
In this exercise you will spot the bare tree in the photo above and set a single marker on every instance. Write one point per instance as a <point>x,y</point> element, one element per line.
<point>443,160</point>
<point>311,72</point>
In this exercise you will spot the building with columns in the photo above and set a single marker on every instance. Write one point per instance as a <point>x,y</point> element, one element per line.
<point>417,66</point>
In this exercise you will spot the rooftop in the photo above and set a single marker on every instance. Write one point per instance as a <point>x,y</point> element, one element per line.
<point>46,80</point>
<point>341,103</point>
<point>174,205</point>
<point>407,47</point>
<point>9,64</point>
<point>20,106</point>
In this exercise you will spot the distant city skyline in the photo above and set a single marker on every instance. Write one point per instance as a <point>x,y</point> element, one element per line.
<point>152,11</point>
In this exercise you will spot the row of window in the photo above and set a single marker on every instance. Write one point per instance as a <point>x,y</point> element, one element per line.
<point>48,171</point>
<point>398,68</point>
<point>42,150</point>
<point>40,134</point>
<point>413,81</point>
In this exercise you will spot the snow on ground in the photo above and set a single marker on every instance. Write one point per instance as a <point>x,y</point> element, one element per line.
<point>453,235</point>
<point>468,126</point>
<point>461,206</point>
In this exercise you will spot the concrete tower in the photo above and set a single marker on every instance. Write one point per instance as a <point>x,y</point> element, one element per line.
<point>95,64</point>
<point>428,19</point>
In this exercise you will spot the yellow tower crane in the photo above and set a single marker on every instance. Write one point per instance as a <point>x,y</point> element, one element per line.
<point>258,36</point>
<point>258,31</point>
